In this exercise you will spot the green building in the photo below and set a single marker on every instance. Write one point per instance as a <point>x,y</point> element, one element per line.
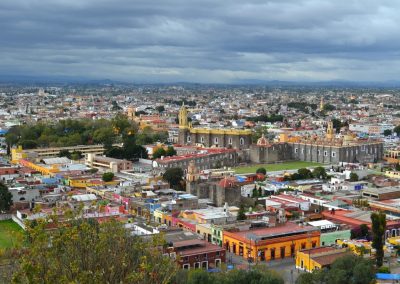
<point>329,238</point>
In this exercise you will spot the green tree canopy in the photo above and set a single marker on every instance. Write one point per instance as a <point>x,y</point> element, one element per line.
<point>353,177</point>
<point>159,152</point>
<point>387,132</point>
<point>319,172</point>
<point>84,251</point>
<point>241,213</point>
<point>64,153</point>
<point>174,176</point>
<point>378,230</point>
<point>349,269</point>
<point>170,151</point>
<point>397,130</point>
<point>108,176</point>
<point>5,198</point>
<point>257,275</point>
<point>261,171</point>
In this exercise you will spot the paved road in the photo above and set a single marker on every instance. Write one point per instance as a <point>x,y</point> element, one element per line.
<point>284,267</point>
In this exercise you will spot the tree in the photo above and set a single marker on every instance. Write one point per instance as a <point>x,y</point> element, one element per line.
<point>5,198</point>
<point>28,144</point>
<point>160,109</point>
<point>107,177</point>
<point>159,152</point>
<point>76,155</point>
<point>350,269</point>
<point>304,173</point>
<point>319,172</point>
<point>170,151</point>
<point>120,123</point>
<point>353,177</point>
<point>329,107</point>
<point>362,232</point>
<point>241,213</point>
<point>64,153</point>
<point>174,177</point>
<point>261,171</point>
<point>254,194</point>
<point>84,251</point>
<point>378,231</point>
<point>387,132</point>
<point>397,130</point>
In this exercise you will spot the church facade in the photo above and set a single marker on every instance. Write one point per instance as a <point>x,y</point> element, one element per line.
<point>211,137</point>
<point>324,150</point>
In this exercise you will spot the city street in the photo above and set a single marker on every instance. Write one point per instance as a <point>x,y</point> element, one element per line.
<point>285,267</point>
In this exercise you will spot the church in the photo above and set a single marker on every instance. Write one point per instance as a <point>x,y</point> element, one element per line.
<point>211,137</point>
<point>327,149</point>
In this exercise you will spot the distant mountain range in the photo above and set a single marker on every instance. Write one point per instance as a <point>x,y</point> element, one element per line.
<point>63,80</point>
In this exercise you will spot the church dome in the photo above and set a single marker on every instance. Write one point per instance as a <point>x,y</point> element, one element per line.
<point>262,141</point>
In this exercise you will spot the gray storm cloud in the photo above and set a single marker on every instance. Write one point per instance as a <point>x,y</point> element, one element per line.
<point>201,41</point>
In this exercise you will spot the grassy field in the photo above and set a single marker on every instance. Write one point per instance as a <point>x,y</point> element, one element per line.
<point>10,234</point>
<point>276,167</point>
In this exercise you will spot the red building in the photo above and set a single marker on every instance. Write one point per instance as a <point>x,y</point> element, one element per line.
<point>193,253</point>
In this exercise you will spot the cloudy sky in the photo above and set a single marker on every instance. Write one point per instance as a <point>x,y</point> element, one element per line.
<point>201,41</point>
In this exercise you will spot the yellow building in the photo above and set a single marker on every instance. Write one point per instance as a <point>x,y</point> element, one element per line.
<point>318,258</point>
<point>43,169</point>
<point>84,182</point>
<point>393,174</point>
<point>41,153</point>
<point>211,137</point>
<point>271,243</point>
<point>204,230</point>
<point>392,156</point>
<point>357,247</point>
<point>18,154</point>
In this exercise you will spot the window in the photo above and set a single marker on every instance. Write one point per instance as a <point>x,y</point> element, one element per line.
<point>197,265</point>
<point>202,139</point>
<point>325,153</point>
<point>186,266</point>
<point>230,141</point>
<point>241,141</point>
<point>296,150</point>
<point>318,152</point>
<point>189,139</point>
<point>333,154</point>
<point>302,151</point>
<point>204,264</point>
<point>217,263</point>
<point>216,140</point>
<point>303,245</point>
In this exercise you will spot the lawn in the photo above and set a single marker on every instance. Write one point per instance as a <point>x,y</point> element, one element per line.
<point>11,234</point>
<point>276,167</point>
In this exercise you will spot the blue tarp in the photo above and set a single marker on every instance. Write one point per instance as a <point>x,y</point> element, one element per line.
<point>214,270</point>
<point>387,276</point>
<point>240,179</point>
<point>3,131</point>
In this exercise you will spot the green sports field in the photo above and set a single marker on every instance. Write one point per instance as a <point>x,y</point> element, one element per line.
<point>276,167</point>
<point>11,234</point>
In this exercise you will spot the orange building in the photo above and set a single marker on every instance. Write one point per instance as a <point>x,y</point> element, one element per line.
<point>264,244</point>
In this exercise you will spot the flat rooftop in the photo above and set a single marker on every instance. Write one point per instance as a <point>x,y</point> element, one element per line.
<point>274,232</point>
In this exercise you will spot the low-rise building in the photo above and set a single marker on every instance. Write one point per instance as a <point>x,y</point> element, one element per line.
<point>263,244</point>
<point>318,258</point>
<point>108,164</point>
